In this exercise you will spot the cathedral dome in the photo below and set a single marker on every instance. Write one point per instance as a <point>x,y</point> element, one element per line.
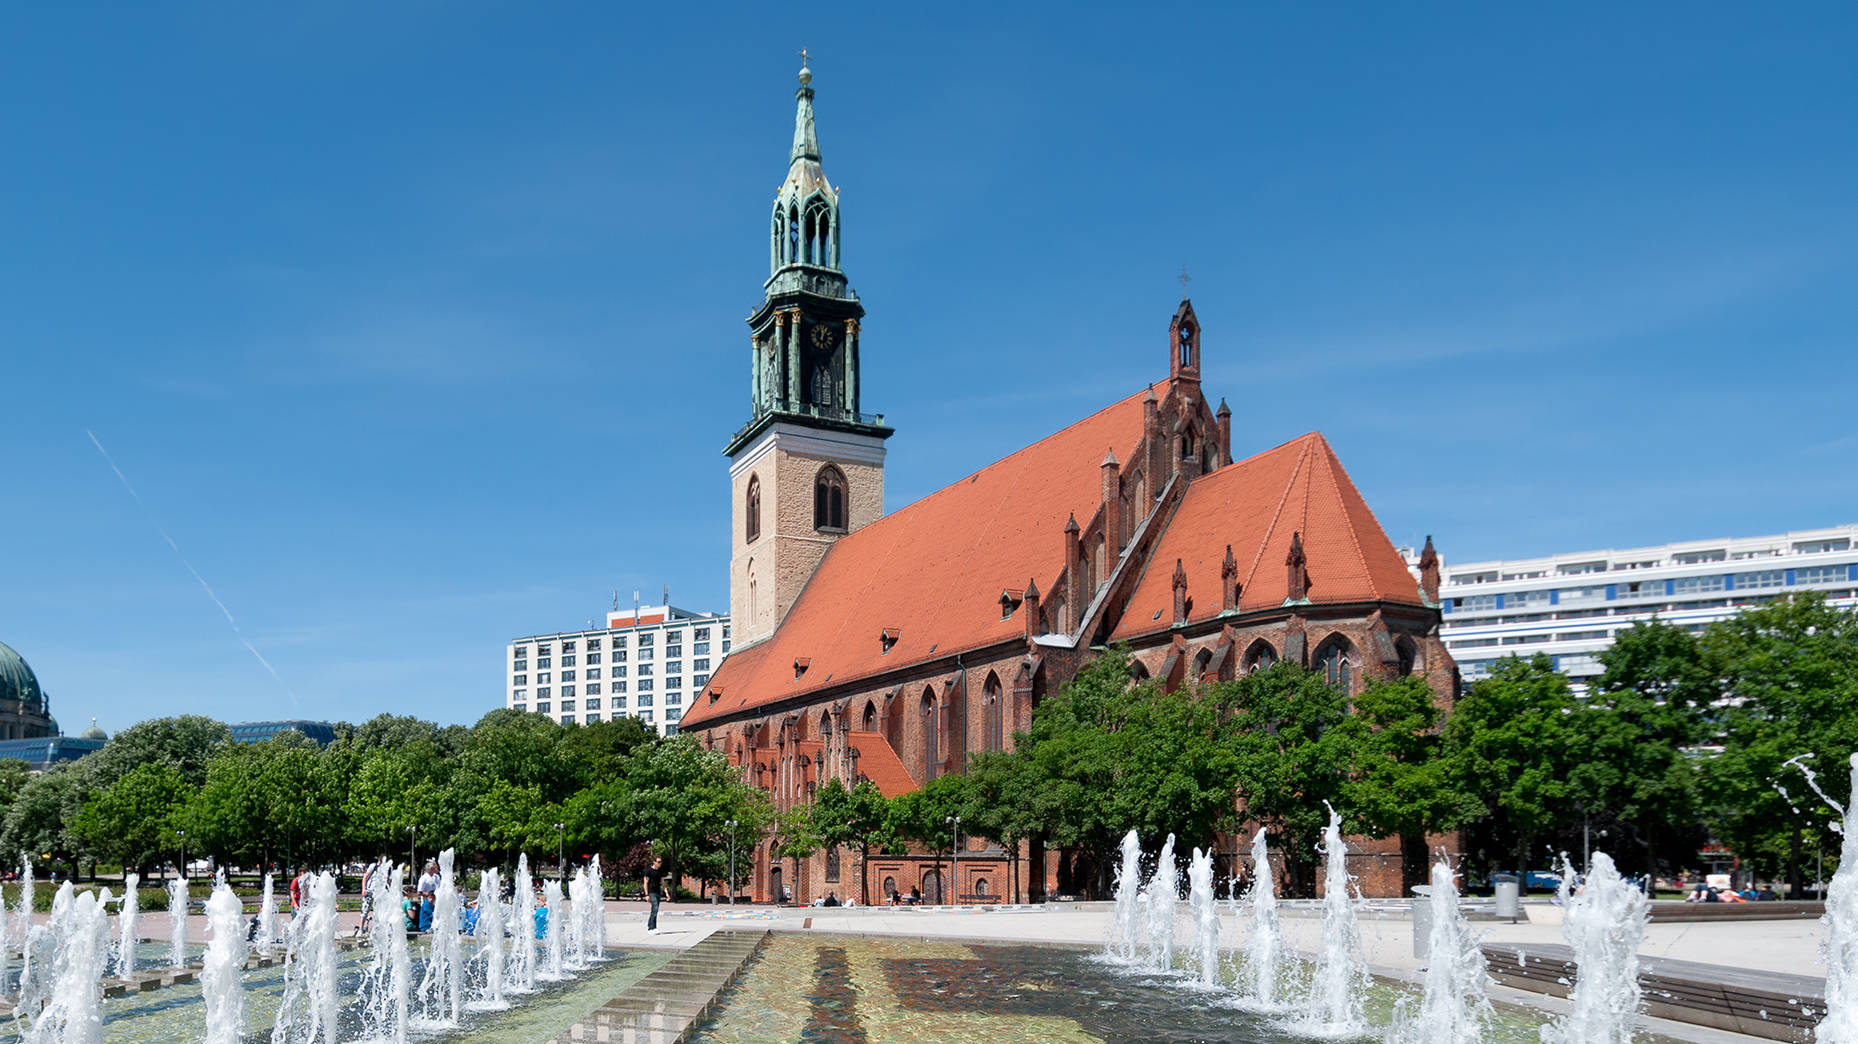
<point>17,682</point>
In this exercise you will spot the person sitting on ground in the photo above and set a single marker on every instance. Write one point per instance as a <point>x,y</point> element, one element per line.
<point>832,899</point>
<point>916,895</point>
<point>1767,894</point>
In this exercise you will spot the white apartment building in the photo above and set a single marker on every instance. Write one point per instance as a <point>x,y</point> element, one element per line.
<point>1570,606</point>
<point>647,663</point>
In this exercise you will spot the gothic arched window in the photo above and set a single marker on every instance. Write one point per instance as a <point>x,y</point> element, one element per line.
<point>1334,663</point>
<point>829,499</point>
<point>751,522</point>
<point>793,235</point>
<point>832,864</point>
<point>1259,656</point>
<point>1187,344</point>
<point>992,712</point>
<point>929,735</point>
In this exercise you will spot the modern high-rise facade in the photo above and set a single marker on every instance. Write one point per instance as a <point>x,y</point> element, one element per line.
<point>1569,607</point>
<point>647,663</point>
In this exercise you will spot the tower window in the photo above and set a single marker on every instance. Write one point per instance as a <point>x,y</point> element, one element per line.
<point>793,236</point>
<point>1187,345</point>
<point>751,525</point>
<point>829,499</point>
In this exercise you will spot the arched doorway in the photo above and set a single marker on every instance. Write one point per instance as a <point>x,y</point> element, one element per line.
<point>775,894</point>
<point>932,887</point>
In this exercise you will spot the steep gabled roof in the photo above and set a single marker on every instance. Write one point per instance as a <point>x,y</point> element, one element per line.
<point>879,763</point>
<point>1256,505</point>
<point>933,571</point>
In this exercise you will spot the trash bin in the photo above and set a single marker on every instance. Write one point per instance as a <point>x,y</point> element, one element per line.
<point>1509,896</point>
<point>1422,921</point>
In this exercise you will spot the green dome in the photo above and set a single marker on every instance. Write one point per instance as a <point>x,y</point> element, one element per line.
<point>17,681</point>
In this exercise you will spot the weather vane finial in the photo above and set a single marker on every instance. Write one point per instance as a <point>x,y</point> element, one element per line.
<point>1185,279</point>
<point>806,67</point>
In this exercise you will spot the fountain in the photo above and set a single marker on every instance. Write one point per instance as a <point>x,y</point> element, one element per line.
<point>1334,1004</point>
<point>441,990</point>
<point>125,949</point>
<point>177,922</point>
<point>1265,945</point>
<point>39,956</point>
<point>1128,893</point>
<point>489,935</point>
<point>308,1008</point>
<point>1164,889</point>
<point>574,921</point>
<point>222,987</point>
<point>522,958</point>
<point>1455,1007</point>
<point>390,968</point>
<point>267,920</point>
<point>26,894</point>
<point>1605,922</point>
<point>596,890</point>
<point>73,1010</point>
<point>554,934</point>
<point>1206,917</point>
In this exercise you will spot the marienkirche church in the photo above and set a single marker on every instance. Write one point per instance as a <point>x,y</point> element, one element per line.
<point>890,646</point>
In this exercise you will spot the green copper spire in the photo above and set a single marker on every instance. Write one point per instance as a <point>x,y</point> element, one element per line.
<point>806,139</point>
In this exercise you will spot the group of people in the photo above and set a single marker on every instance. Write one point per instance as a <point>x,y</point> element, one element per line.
<point>1709,893</point>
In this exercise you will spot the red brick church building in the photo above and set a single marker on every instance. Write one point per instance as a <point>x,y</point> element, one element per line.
<point>890,646</point>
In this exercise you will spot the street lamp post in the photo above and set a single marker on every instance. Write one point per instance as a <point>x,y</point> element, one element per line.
<point>412,857</point>
<point>732,824</point>
<point>955,856</point>
<point>183,834</point>
<point>561,851</point>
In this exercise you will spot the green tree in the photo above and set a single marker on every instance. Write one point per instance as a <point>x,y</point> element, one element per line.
<point>1507,743</point>
<point>858,818</point>
<point>1400,785</point>
<point>1003,806</point>
<point>133,822</point>
<point>1294,756</point>
<point>187,743</point>
<point>795,835</point>
<point>924,816</point>
<point>684,795</point>
<point>1789,675</point>
<point>42,813</point>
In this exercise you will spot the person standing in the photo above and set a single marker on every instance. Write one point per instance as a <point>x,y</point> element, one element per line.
<point>654,885</point>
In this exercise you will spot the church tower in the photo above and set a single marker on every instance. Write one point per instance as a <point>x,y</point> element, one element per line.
<point>808,467</point>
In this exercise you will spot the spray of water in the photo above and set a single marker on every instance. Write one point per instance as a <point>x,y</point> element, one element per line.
<point>1605,922</point>
<point>1840,949</point>
<point>489,935</point>
<point>1206,917</point>
<point>441,989</point>
<point>554,934</point>
<point>1341,974</point>
<point>384,985</point>
<point>1163,894</point>
<point>222,987</point>
<point>522,931</point>
<point>1264,946</point>
<point>267,920</point>
<point>1129,922</point>
<point>1455,1007</point>
<point>177,922</point>
<point>125,949</point>
<point>73,1011</point>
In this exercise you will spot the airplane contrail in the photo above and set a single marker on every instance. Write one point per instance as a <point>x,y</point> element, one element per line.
<point>204,586</point>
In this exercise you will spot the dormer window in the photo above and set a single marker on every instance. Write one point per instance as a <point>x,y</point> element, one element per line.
<point>1009,602</point>
<point>888,637</point>
<point>801,663</point>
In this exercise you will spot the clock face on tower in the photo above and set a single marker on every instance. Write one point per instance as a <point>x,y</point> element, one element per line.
<point>822,337</point>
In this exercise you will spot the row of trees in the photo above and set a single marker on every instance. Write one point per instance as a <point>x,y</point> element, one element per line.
<point>1683,740</point>
<point>512,783</point>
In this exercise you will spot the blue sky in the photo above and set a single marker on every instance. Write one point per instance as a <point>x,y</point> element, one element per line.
<point>419,327</point>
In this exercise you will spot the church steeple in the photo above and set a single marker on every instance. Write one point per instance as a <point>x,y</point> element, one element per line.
<point>808,458</point>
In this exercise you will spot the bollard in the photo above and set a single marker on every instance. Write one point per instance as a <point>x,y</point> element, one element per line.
<point>1422,921</point>
<point>1509,897</point>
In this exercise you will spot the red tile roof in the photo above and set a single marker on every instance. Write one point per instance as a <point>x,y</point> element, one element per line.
<point>1255,505</point>
<point>933,570</point>
<point>880,763</point>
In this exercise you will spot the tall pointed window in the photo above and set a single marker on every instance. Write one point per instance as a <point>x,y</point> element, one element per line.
<point>990,699</point>
<point>751,524</point>
<point>1187,345</point>
<point>829,499</point>
<point>1333,664</point>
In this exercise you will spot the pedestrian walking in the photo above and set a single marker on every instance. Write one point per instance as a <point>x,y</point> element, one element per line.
<point>654,886</point>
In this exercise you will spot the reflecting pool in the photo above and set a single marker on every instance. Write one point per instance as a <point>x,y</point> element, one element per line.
<point>868,989</point>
